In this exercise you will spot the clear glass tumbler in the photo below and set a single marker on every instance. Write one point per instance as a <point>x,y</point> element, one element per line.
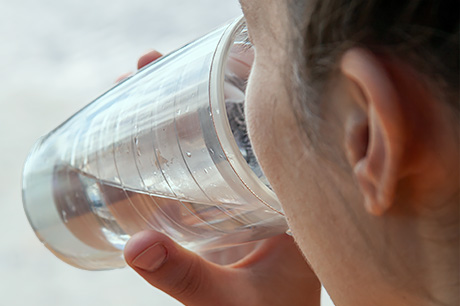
<point>166,149</point>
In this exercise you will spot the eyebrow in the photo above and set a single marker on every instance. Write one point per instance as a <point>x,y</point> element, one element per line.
<point>243,4</point>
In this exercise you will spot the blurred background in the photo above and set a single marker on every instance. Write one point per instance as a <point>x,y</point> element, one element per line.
<point>55,57</point>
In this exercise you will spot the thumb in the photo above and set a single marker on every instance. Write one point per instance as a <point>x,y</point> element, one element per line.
<point>181,273</point>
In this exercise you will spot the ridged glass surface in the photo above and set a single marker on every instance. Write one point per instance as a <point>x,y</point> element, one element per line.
<point>147,155</point>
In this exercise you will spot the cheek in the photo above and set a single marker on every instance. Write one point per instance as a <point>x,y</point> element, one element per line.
<point>273,129</point>
<point>277,142</point>
<point>259,115</point>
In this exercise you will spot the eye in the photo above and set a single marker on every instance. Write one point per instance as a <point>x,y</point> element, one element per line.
<point>234,104</point>
<point>248,39</point>
<point>235,112</point>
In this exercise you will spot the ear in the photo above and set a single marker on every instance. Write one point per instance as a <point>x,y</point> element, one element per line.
<point>374,128</point>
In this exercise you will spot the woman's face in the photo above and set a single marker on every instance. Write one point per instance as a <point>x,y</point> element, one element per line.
<point>299,175</point>
<point>384,144</point>
<point>316,188</point>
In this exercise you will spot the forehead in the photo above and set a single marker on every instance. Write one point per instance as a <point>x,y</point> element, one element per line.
<point>267,20</point>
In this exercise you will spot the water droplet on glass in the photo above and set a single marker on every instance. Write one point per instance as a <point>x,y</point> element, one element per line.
<point>206,171</point>
<point>217,111</point>
<point>188,154</point>
<point>178,112</point>
<point>211,151</point>
<point>136,140</point>
<point>64,216</point>
<point>221,156</point>
<point>187,109</point>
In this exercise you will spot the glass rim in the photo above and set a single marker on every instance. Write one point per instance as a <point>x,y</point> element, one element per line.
<point>223,130</point>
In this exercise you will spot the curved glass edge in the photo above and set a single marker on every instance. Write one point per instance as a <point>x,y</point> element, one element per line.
<point>224,132</point>
<point>47,224</point>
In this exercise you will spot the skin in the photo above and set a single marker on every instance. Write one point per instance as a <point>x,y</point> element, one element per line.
<point>373,206</point>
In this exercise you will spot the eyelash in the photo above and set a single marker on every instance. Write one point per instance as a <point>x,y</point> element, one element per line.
<point>247,40</point>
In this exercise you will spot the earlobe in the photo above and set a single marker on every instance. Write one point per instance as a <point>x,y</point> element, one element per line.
<point>374,128</point>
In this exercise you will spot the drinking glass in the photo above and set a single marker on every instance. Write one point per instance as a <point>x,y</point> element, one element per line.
<point>167,149</point>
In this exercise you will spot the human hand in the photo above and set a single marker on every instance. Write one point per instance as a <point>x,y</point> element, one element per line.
<point>144,60</point>
<point>274,273</point>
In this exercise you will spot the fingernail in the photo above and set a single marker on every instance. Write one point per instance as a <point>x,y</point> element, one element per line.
<point>151,258</point>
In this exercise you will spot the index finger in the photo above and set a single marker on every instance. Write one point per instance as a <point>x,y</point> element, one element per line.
<point>148,58</point>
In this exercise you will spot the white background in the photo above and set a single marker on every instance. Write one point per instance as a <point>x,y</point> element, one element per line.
<point>55,57</point>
